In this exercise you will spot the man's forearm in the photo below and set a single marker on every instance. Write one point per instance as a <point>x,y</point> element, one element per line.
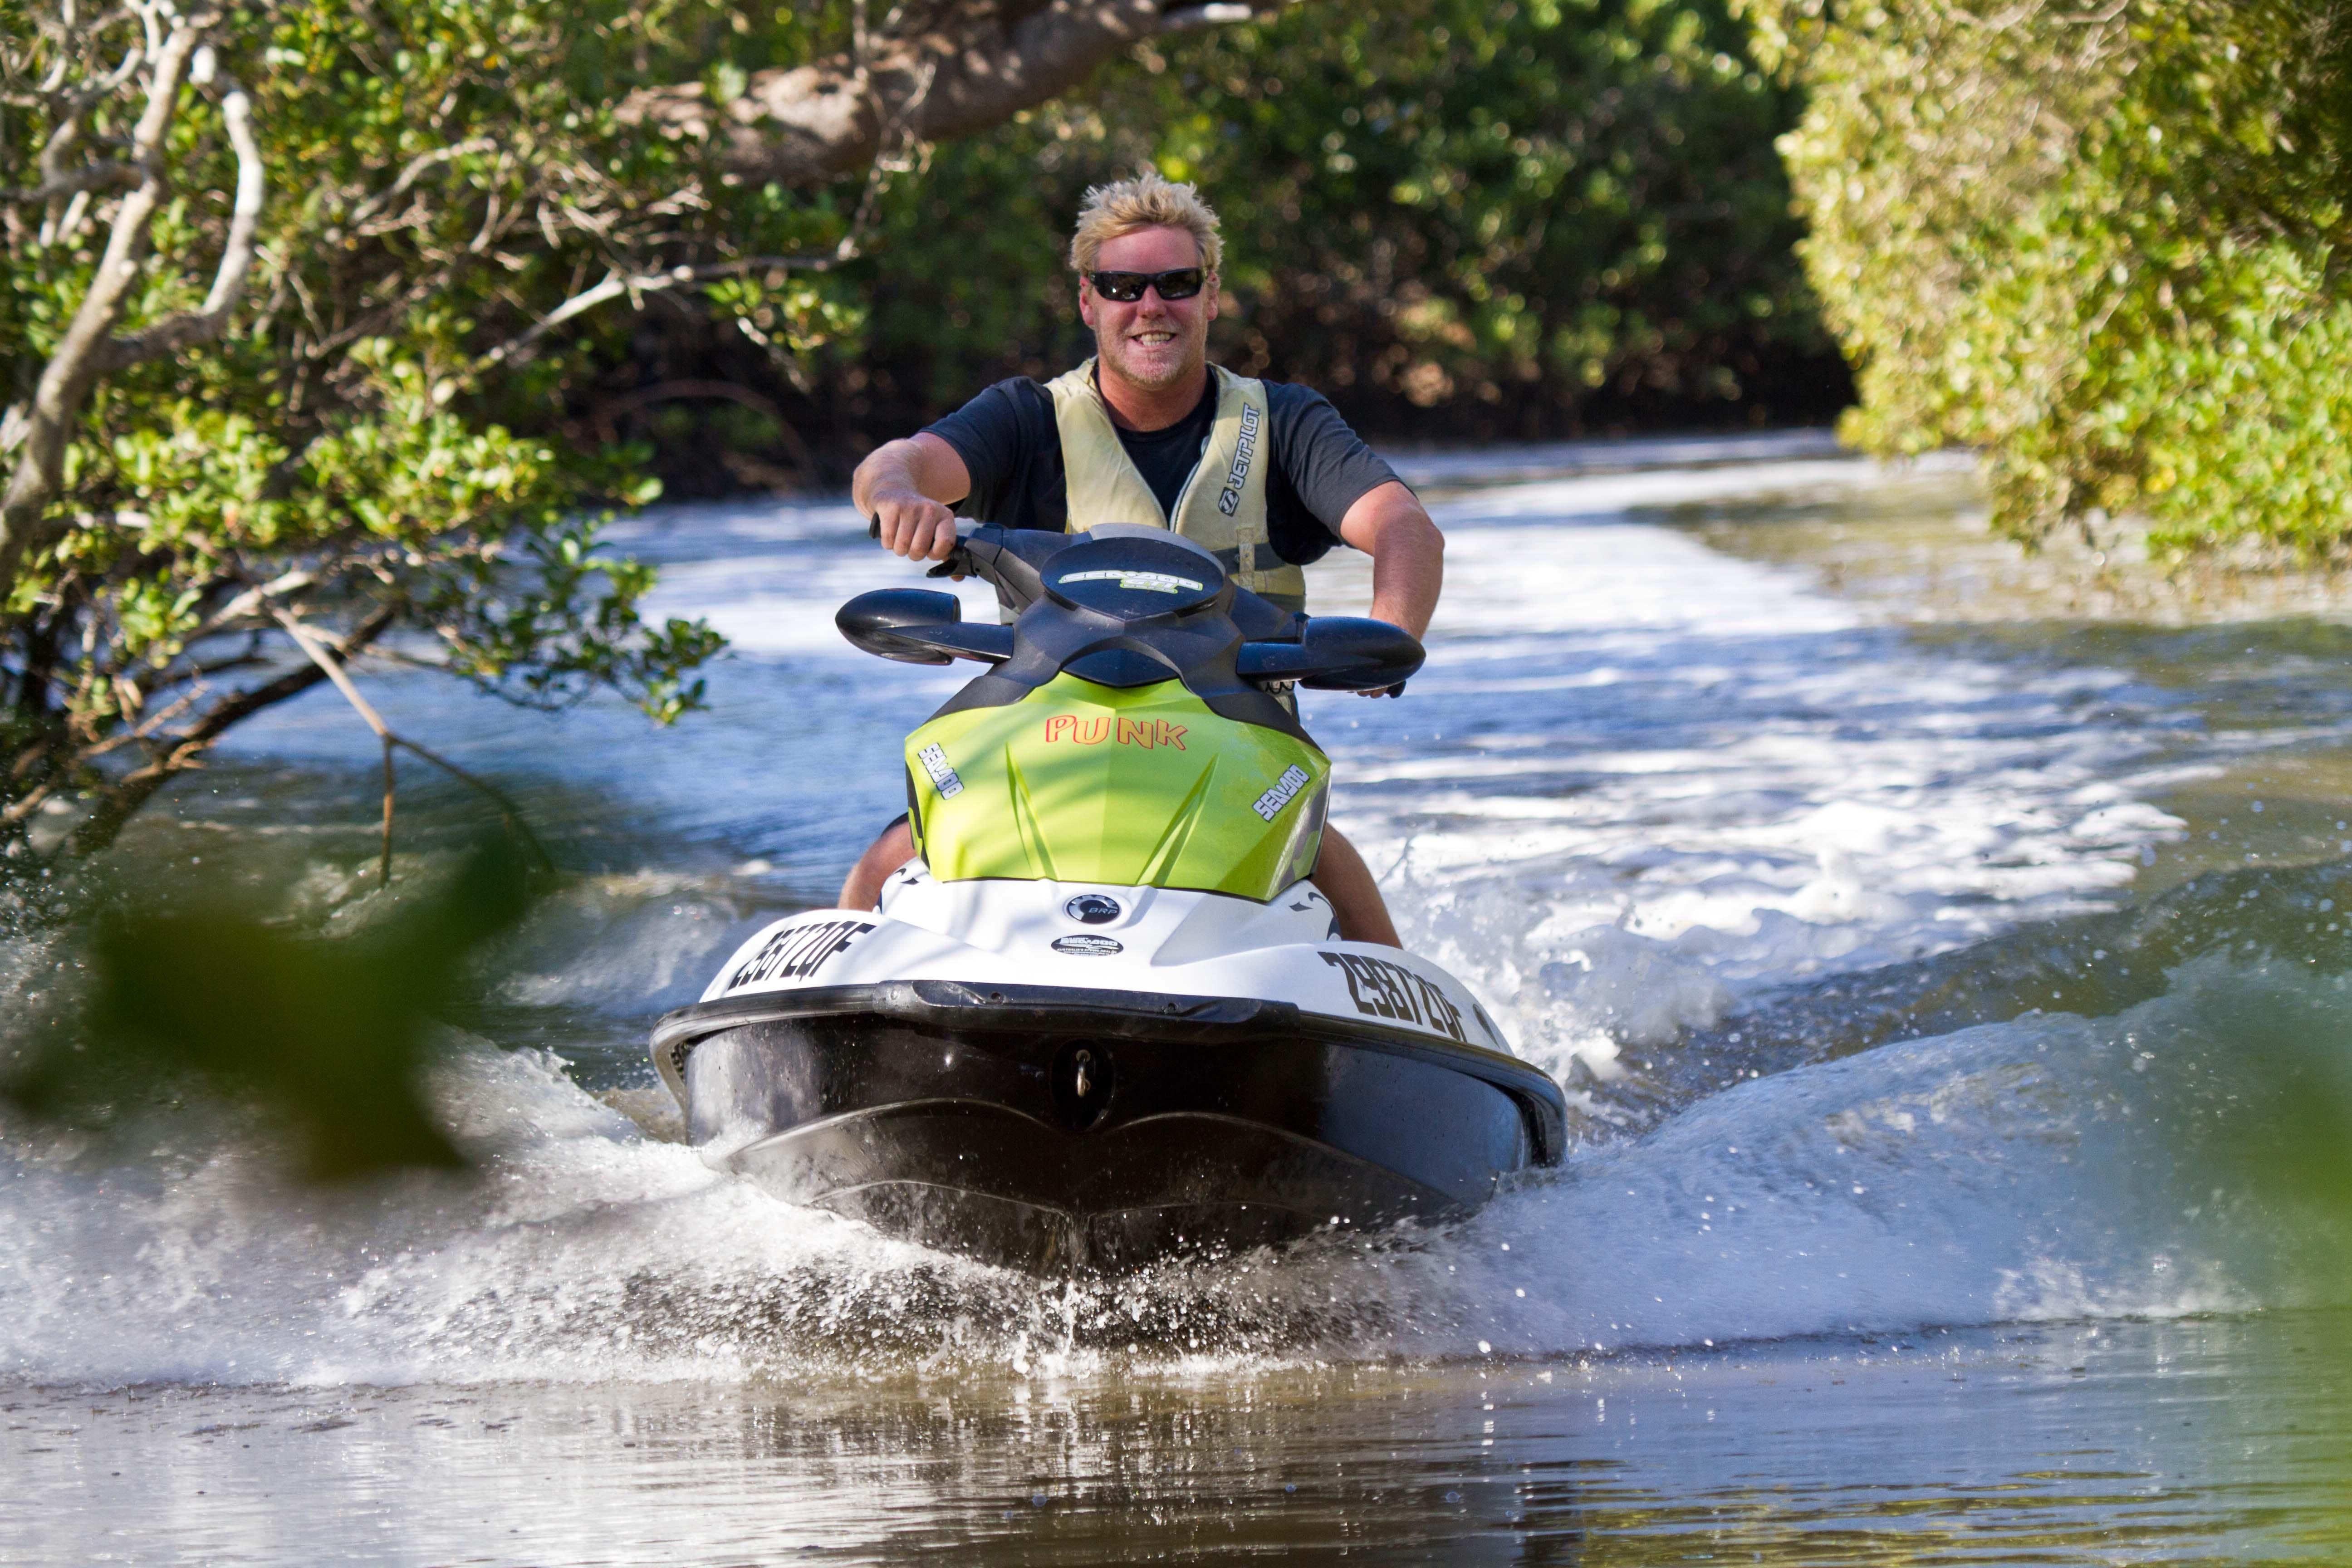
<point>907,487</point>
<point>1406,580</point>
<point>1408,555</point>
<point>892,466</point>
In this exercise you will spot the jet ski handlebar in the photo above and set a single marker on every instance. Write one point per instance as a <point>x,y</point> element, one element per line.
<point>1279,647</point>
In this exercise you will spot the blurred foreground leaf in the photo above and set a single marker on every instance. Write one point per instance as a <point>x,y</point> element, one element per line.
<point>331,1034</point>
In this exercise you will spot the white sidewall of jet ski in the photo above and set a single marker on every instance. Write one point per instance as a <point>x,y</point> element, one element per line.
<point>1173,941</point>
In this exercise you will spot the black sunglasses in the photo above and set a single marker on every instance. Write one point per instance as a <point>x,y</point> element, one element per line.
<point>1128,287</point>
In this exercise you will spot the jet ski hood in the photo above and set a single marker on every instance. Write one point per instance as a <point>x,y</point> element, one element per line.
<point>1129,730</point>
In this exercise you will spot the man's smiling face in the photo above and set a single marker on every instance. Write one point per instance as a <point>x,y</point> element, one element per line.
<point>1153,343</point>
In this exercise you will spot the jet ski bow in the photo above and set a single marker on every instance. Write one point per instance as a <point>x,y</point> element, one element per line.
<point>1105,1018</point>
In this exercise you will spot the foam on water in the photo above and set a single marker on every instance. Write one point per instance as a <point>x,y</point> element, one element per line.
<point>581,1249</point>
<point>1640,786</point>
<point>2053,1167</point>
<point>1665,776</point>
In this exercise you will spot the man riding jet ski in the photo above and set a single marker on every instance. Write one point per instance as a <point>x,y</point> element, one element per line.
<point>1083,1006</point>
<point>1264,474</point>
<point>1101,1015</point>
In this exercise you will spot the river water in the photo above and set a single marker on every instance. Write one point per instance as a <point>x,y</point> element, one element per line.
<point>1942,963</point>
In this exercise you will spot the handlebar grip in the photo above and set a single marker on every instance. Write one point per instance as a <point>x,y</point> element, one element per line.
<point>874,526</point>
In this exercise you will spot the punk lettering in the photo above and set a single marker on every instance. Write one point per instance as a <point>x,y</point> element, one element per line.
<point>1146,733</point>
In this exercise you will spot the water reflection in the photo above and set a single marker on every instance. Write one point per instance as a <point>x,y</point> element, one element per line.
<point>2210,1441</point>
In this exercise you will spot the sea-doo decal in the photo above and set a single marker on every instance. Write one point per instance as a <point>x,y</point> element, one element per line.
<point>1092,909</point>
<point>943,777</point>
<point>1385,990</point>
<point>1143,582</point>
<point>1285,789</point>
<point>798,952</point>
<point>1230,502</point>
<point>1146,733</point>
<point>1087,946</point>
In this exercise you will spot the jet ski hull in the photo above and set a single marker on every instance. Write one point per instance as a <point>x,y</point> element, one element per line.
<point>1056,1128</point>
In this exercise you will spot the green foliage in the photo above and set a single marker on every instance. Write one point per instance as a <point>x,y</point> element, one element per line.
<point>1457,218</point>
<point>2108,248</point>
<point>332,1036</point>
<point>1452,216</point>
<point>370,443</point>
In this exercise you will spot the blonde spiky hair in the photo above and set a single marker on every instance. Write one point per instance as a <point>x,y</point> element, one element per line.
<point>1151,200</point>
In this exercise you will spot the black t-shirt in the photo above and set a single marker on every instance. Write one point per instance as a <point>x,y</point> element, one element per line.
<point>1008,440</point>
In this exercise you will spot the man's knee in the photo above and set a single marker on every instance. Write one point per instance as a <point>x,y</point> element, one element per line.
<point>1342,877</point>
<point>894,848</point>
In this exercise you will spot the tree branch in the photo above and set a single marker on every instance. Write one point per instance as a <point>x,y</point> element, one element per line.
<point>176,333</point>
<point>320,655</point>
<point>409,175</point>
<point>804,123</point>
<point>617,283</point>
<point>129,793</point>
<point>106,175</point>
<point>44,428</point>
<point>1194,18</point>
<point>250,602</point>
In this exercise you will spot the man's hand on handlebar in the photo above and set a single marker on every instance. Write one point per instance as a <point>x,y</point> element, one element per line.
<point>911,525</point>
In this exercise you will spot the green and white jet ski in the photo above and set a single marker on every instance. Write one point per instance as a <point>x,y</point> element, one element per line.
<point>1104,1017</point>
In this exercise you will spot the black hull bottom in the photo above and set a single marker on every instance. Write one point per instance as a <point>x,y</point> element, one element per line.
<point>989,1182</point>
<point>1053,1134</point>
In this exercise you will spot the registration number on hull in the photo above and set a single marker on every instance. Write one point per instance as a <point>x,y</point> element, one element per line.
<point>1381,989</point>
<point>797,951</point>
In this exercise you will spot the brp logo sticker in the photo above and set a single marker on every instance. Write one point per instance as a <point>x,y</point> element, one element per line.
<point>1086,946</point>
<point>1092,909</point>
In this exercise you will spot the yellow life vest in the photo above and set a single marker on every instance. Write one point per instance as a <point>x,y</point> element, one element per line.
<point>1223,505</point>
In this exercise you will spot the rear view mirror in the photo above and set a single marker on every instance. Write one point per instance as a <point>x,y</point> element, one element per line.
<point>1337,653</point>
<point>915,626</point>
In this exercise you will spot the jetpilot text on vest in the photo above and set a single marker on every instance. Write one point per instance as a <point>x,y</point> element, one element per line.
<point>1230,502</point>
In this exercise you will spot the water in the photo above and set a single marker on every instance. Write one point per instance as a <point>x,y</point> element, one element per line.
<point>1933,990</point>
<point>2082,1443</point>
